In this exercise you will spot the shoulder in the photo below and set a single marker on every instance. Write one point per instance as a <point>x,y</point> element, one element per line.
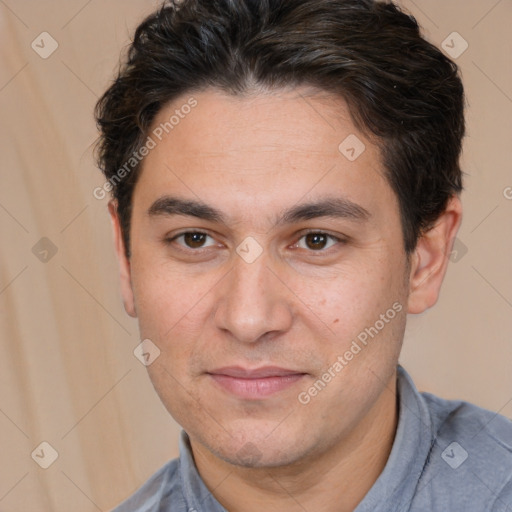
<point>478,427</point>
<point>473,449</point>
<point>161,489</point>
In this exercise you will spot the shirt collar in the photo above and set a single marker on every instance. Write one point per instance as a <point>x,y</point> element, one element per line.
<point>396,485</point>
<point>197,496</point>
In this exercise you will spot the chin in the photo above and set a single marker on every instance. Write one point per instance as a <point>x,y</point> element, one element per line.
<point>259,450</point>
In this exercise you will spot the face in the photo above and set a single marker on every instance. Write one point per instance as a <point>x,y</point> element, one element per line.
<point>269,270</point>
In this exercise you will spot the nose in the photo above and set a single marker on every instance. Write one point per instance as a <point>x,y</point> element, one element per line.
<point>252,302</point>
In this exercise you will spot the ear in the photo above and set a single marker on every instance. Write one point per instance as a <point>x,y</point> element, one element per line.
<point>124,262</point>
<point>430,258</point>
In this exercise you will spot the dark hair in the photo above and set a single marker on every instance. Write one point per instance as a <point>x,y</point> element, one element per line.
<point>400,89</point>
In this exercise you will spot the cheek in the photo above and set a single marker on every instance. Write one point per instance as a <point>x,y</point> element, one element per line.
<point>364,309</point>
<point>352,298</point>
<point>163,298</point>
<point>173,306</point>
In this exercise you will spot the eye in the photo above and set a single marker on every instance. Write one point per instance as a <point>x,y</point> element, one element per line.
<point>192,239</point>
<point>317,241</point>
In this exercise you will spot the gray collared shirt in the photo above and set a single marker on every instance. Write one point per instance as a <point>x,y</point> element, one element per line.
<point>447,456</point>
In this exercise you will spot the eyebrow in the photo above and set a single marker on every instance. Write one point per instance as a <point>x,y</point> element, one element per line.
<point>335,207</point>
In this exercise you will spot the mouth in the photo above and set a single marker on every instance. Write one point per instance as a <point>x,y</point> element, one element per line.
<point>255,384</point>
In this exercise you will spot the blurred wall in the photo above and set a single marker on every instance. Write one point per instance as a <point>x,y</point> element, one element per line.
<point>68,376</point>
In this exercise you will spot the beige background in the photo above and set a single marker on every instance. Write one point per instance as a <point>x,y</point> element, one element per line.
<point>67,372</point>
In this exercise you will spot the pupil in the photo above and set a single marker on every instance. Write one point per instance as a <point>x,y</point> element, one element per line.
<point>194,239</point>
<point>318,240</point>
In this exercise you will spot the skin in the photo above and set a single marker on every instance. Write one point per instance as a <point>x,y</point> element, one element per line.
<point>299,305</point>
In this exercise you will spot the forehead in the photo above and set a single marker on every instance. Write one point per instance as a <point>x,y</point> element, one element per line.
<point>303,120</point>
<point>251,152</point>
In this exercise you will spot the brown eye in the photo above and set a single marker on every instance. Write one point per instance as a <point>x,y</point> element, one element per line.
<point>317,241</point>
<point>194,240</point>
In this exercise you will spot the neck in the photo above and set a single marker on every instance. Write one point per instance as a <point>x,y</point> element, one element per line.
<point>333,481</point>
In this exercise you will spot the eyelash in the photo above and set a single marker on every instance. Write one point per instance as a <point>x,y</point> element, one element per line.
<point>338,240</point>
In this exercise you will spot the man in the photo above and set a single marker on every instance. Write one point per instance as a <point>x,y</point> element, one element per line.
<point>286,180</point>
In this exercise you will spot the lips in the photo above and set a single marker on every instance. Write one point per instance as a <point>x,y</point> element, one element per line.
<point>254,384</point>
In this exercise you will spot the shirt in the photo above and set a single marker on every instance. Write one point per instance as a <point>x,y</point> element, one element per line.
<point>447,456</point>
